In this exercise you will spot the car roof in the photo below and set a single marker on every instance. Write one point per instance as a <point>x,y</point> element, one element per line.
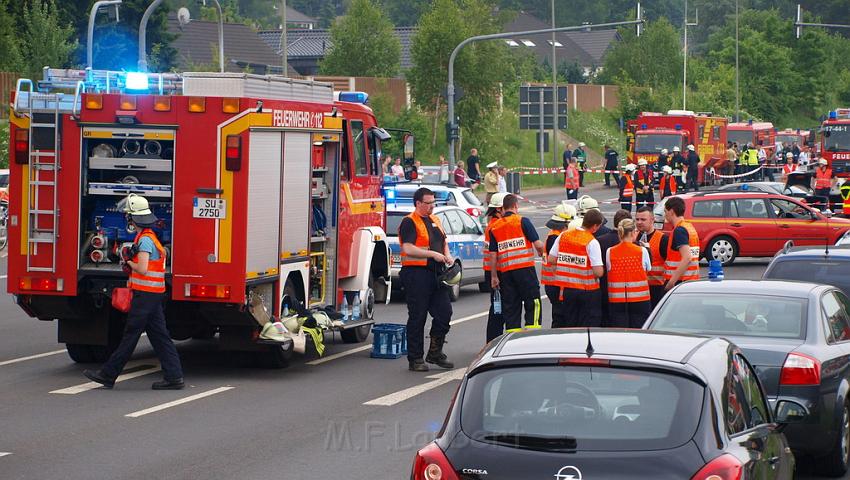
<point>808,253</point>
<point>432,186</point>
<point>551,343</point>
<point>725,194</point>
<point>779,288</point>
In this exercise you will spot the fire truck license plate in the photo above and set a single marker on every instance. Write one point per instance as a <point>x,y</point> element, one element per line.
<point>209,208</point>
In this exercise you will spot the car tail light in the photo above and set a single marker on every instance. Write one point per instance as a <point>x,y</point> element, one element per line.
<point>22,146</point>
<point>474,212</point>
<point>207,291</point>
<point>431,464</point>
<point>233,153</point>
<point>41,284</point>
<point>588,362</point>
<point>800,369</point>
<point>724,467</point>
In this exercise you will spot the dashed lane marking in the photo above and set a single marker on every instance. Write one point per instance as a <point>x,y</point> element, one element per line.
<point>2,277</point>
<point>4,454</point>
<point>84,387</point>
<point>402,395</point>
<point>31,357</point>
<point>175,403</point>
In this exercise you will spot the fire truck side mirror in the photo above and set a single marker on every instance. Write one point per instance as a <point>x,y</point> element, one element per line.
<point>408,155</point>
<point>409,150</point>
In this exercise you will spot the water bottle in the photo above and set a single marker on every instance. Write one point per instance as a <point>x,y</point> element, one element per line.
<point>285,310</point>
<point>355,308</point>
<point>497,302</point>
<point>345,310</point>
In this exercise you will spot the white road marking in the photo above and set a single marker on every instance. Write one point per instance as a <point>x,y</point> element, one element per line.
<point>84,387</point>
<point>181,401</point>
<point>3,454</point>
<point>31,357</point>
<point>402,395</point>
<point>322,360</point>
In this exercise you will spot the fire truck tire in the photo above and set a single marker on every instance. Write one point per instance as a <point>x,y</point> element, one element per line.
<point>275,357</point>
<point>80,353</point>
<point>356,335</point>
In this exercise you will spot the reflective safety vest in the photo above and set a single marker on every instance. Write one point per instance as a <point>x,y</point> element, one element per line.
<point>673,256</point>
<point>656,273</point>
<point>629,189</point>
<point>571,183</point>
<point>845,197</point>
<point>154,280</point>
<point>823,178</point>
<point>788,169</point>
<point>573,269</point>
<point>662,184</point>
<point>645,179</point>
<point>751,157</point>
<point>514,250</point>
<point>627,280</point>
<point>547,271</point>
<point>488,255</point>
<point>423,240</point>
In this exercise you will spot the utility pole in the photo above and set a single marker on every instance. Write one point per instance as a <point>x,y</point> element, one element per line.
<point>799,24</point>
<point>283,46</point>
<point>92,16</point>
<point>685,68</point>
<point>737,91</point>
<point>554,96</point>
<point>450,88</point>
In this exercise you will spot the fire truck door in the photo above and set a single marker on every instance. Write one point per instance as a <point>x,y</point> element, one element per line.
<point>263,205</point>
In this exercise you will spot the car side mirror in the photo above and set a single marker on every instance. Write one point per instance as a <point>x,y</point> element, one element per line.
<point>789,411</point>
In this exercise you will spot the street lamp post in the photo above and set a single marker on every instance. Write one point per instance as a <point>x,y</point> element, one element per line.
<point>685,66</point>
<point>220,35</point>
<point>737,92</point>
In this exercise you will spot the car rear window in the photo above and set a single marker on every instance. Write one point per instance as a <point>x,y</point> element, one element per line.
<point>601,408</point>
<point>729,314</point>
<point>808,270</point>
<point>708,208</point>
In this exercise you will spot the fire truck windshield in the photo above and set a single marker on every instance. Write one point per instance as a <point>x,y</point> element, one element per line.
<point>789,139</point>
<point>837,138</point>
<point>655,142</point>
<point>741,137</point>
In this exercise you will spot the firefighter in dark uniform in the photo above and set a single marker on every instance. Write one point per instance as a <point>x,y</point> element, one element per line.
<point>514,240</point>
<point>495,321</point>
<point>644,196</point>
<point>424,256</point>
<point>561,217</point>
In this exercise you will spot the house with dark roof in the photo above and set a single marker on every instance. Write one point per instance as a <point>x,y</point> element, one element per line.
<point>306,47</point>
<point>297,20</point>
<point>244,51</point>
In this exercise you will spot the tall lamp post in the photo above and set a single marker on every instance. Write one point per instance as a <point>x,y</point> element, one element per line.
<point>220,35</point>
<point>737,92</point>
<point>685,67</point>
<point>92,16</point>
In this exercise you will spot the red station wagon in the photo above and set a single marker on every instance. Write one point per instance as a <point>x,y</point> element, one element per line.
<point>753,224</point>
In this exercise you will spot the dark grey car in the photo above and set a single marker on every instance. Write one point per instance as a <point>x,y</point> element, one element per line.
<point>795,334</point>
<point>609,404</point>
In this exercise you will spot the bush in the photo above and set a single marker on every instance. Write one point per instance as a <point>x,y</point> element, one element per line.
<point>4,144</point>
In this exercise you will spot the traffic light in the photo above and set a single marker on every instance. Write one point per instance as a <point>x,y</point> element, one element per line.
<point>452,131</point>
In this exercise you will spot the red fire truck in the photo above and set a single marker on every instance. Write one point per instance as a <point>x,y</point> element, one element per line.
<point>835,141</point>
<point>758,134</point>
<point>268,192</point>
<point>791,136</point>
<point>651,132</point>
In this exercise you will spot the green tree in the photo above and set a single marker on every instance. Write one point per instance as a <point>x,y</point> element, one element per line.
<point>652,60</point>
<point>45,38</point>
<point>363,44</point>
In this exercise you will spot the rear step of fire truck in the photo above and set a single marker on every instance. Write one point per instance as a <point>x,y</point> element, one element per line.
<point>44,111</point>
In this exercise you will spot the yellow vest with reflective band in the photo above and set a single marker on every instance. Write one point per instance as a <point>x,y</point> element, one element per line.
<point>673,256</point>
<point>547,271</point>
<point>751,157</point>
<point>488,255</point>
<point>656,274</point>
<point>154,280</point>
<point>627,280</point>
<point>573,269</point>
<point>845,196</point>
<point>514,250</point>
<point>423,240</point>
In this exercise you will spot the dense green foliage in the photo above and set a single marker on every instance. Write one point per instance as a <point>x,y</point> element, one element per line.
<point>362,44</point>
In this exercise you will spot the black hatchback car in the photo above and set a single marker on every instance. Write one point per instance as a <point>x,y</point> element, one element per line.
<point>609,404</point>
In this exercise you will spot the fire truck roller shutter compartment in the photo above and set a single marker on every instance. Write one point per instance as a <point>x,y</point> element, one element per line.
<point>263,203</point>
<point>296,198</point>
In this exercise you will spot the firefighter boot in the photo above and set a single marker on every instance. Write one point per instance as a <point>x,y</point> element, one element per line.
<point>436,355</point>
<point>417,365</point>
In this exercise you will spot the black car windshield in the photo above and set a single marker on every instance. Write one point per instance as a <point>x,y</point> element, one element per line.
<point>580,408</point>
<point>735,315</point>
<point>741,137</point>
<point>830,272</point>
<point>654,143</point>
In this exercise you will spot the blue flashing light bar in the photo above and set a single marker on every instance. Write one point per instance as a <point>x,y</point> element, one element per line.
<point>136,81</point>
<point>678,126</point>
<point>643,126</point>
<point>354,97</point>
<point>833,114</point>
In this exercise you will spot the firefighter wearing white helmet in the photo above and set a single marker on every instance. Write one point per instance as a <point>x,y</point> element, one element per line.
<point>585,204</point>
<point>145,262</point>
<point>693,165</point>
<point>495,321</point>
<point>627,187</point>
<point>667,182</point>
<point>562,214</point>
<point>643,180</point>
<point>790,164</point>
<point>663,159</point>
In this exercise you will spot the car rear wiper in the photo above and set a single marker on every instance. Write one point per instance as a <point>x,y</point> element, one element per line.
<point>540,442</point>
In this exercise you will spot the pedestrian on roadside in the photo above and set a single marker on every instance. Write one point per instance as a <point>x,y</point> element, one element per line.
<point>627,187</point>
<point>495,321</point>
<point>557,224</point>
<point>628,285</point>
<point>473,168</point>
<point>386,165</point>
<point>514,240</point>
<point>580,154</point>
<point>682,259</point>
<point>424,256</point>
<point>579,265</point>
<point>677,161</point>
<point>790,166</point>
<point>643,185</point>
<point>803,158</point>
<point>612,163</point>
<point>491,181</point>
<point>655,241</point>
<point>572,180</point>
<point>460,178</point>
<point>823,181</point>
<point>693,169</point>
<point>667,182</point>
<point>606,241</point>
<point>567,155</point>
<point>397,170</point>
<point>145,262</point>
<point>795,149</point>
<point>503,183</point>
<point>731,160</point>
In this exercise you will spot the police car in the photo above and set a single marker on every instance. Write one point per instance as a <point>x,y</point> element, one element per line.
<point>463,232</point>
<point>463,197</point>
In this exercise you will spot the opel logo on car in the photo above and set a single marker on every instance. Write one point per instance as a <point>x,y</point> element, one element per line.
<point>568,473</point>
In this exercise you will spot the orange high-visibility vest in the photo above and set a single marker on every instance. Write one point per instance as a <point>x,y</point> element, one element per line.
<point>571,183</point>
<point>573,269</point>
<point>423,240</point>
<point>656,273</point>
<point>627,280</point>
<point>547,271</point>
<point>154,280</point>
<point>514,250</point>
<point>662,184</point>
<point>673,256</point>
<point>488,255</point>
<point>787,169</point>
<point>629,189</point>
<point>823,178</point>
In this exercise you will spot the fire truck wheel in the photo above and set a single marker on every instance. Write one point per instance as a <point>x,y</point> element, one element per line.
<point>357,334</point>
<point>275,357</point>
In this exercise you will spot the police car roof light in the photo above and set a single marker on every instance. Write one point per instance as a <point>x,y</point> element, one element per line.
<point>833,114</point>
<point>643,126</point>
<point>678,126</point>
